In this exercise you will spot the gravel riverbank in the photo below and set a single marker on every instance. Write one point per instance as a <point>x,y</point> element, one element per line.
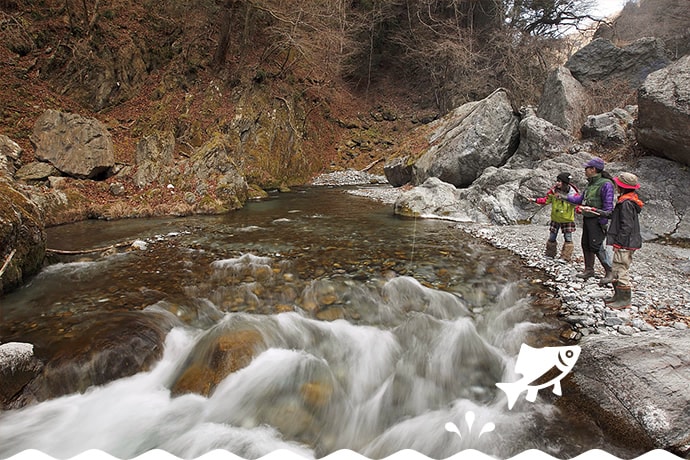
<point>661,273</point>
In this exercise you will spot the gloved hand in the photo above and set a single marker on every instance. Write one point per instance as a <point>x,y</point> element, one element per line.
<point>541,200</point>
<point>578,209</point>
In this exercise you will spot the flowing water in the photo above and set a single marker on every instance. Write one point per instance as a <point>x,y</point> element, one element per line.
<point>313,321</point>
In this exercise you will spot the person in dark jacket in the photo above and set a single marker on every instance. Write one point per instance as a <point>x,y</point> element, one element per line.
<point>624,235</point>
<point>597,195</point>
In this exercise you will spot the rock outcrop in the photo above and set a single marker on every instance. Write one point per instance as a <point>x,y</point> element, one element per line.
<point>469,139</point>
<point>77,146</point>
<point>154,158</point>
<point>664,112</point>
<point>212,163</point>
<point>641,380</point>
<point>22,236</point>
<point>506,195</point>
<point>10,155</point>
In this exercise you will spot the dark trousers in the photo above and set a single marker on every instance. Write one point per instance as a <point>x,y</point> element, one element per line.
<point>593,240</point>
<point>593,234</point>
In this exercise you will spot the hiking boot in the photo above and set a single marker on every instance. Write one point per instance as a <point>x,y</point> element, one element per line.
<point>589,266</point>
<point>567,251</point>
<point>624,299</point>
<point>551,248</point>
<point>615,296</point>
<point>587,274</point>
<point>608,277</point>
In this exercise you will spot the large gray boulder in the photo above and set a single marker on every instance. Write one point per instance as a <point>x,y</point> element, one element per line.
<point>610,128</point>
<point>601,60</point>
<point>539,140</point>
<point>398,171</point>
<point>77,146</point>
<point>666,195</point>
<point>503,195</point>
<point>664,112</point>
<point>432,198</point>
<point>469,139</point>
<point>564,101</point>
<point>642,381</point>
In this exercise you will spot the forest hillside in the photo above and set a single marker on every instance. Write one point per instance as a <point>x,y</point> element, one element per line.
<point>295,88</point>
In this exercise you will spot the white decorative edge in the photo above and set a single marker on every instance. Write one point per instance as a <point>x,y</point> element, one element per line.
<point>407,454</point>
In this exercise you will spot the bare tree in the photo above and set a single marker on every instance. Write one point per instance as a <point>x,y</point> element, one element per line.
<point>548,17</point>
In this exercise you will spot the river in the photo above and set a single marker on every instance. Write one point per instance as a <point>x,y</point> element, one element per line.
<point>312,321</point>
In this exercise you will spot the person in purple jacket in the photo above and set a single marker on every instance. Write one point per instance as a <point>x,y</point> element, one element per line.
<point>598,195</point>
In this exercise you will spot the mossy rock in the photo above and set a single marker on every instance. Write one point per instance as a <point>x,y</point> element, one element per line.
<point>22,236</point>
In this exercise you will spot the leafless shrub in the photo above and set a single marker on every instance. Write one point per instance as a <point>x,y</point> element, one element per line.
<point>14,33</point>
<point>609,94</point>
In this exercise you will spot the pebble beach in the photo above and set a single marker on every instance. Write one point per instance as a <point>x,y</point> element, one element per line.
<point>660,272</point>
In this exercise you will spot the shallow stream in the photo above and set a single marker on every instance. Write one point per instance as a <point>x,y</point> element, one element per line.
<point>313,321</point>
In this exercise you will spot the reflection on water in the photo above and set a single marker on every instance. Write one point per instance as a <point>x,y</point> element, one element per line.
<point>313,322</point>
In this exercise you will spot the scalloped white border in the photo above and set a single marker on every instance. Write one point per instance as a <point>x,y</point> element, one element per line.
<point>407,454</point>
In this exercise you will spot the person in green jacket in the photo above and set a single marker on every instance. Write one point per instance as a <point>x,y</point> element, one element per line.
<point>562,216</point>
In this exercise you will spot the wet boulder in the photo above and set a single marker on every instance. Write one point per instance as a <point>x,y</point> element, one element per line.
<point>469,139</point>
<point>79,147</point>
<point>664,112</point>
<point>95,350</point>
<point>18,366</point>
<point>216,356</point>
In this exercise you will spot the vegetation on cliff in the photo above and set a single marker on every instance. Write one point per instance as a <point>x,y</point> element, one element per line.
<point>293,88</point>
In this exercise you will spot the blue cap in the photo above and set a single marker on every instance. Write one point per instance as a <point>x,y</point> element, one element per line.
<point>596,162</point>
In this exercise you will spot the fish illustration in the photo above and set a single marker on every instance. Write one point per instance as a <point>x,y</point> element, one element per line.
<point>540,368</point>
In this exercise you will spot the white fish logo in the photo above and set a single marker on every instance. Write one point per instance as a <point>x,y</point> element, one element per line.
<point>536,365</point>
